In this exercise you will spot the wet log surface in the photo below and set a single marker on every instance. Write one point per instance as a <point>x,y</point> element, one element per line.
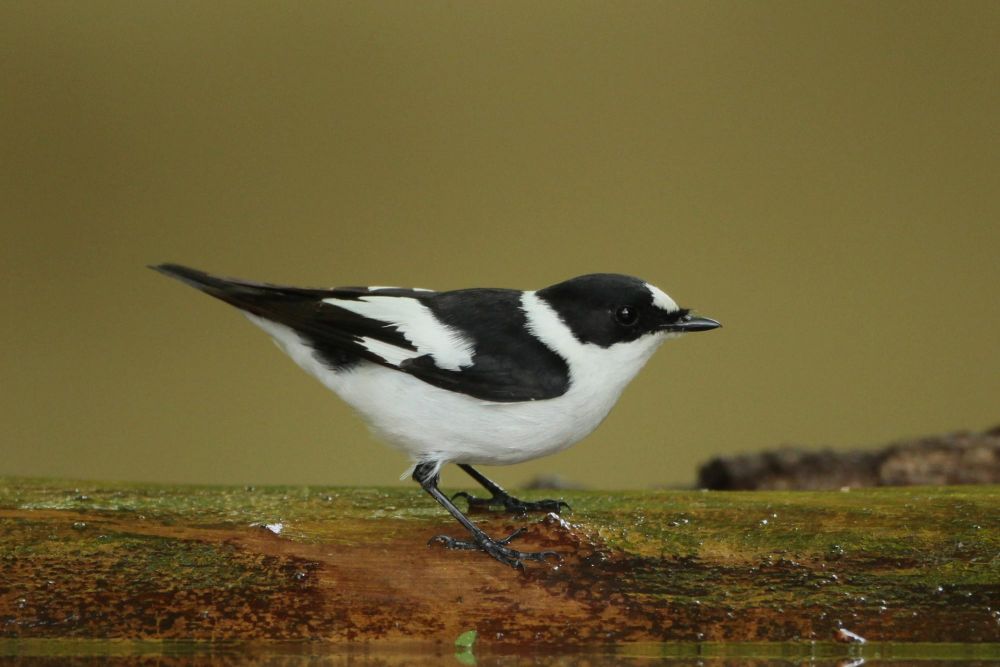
<point>94,560</point>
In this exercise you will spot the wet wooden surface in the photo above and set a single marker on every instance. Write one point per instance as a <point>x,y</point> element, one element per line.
<point>92,560</point>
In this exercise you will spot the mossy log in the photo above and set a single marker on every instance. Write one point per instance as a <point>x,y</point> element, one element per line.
<point>139,562</point>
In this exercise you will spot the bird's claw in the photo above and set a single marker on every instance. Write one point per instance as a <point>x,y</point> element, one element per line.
<point>498,549</point>
<point>512,505</point>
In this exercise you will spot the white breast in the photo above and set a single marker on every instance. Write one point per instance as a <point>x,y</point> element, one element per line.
<point>433,424</point>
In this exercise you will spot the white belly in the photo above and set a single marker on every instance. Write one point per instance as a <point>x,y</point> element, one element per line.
<point>434,424</point>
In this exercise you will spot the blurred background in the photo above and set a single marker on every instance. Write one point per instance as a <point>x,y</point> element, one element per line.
<point>821,177</point>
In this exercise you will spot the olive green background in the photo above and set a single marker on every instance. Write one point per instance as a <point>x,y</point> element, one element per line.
<point>821,177</point>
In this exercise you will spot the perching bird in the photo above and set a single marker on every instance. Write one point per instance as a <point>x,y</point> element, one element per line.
<point>472,376</point>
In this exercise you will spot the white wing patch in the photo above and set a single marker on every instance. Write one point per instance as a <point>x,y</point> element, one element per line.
<point>447,346</point>
<point>661,300</point>
<point>394,354</point>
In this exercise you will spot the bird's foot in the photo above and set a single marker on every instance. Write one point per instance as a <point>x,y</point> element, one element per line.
<point>497,548</point>
<point>507,503</point>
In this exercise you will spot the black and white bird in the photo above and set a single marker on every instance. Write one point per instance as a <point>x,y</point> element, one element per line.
<point>471,376</point>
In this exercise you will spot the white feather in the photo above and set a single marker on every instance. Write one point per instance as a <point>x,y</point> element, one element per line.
<point>661,299</point>
<point>447,346</point>
<point>393,354</point>
<point>434,424</point>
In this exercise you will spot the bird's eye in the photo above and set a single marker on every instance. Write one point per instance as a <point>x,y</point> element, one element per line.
<point>626,315</point>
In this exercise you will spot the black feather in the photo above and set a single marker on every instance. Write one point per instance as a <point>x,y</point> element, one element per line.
<point>334,333</point>
<point>508,364</point>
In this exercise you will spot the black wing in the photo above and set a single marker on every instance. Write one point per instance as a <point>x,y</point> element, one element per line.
<point>335,333</point>
<point>468,341</point>
<point>509,365</point>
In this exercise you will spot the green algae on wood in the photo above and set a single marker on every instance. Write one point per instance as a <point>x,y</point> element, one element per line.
<point>112,560</point>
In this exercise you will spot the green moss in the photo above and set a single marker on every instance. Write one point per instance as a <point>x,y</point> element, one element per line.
<point>900,558</point>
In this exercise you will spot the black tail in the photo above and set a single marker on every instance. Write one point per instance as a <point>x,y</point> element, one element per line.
<point>259,298</point>
<point>333,332</point>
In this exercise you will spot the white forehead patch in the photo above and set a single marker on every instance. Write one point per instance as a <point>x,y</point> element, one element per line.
<point>661,300</point>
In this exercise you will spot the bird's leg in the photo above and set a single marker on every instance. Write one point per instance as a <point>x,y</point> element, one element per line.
<point>425,475</point>
<point>500,499</point>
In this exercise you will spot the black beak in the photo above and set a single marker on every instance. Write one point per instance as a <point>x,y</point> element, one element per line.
<point>691,323</point>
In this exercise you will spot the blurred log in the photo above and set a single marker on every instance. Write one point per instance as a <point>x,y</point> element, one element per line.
<point>955,458</point>
<point>89,560</point>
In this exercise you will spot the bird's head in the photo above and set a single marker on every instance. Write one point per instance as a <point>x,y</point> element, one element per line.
<point>605,309</point>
